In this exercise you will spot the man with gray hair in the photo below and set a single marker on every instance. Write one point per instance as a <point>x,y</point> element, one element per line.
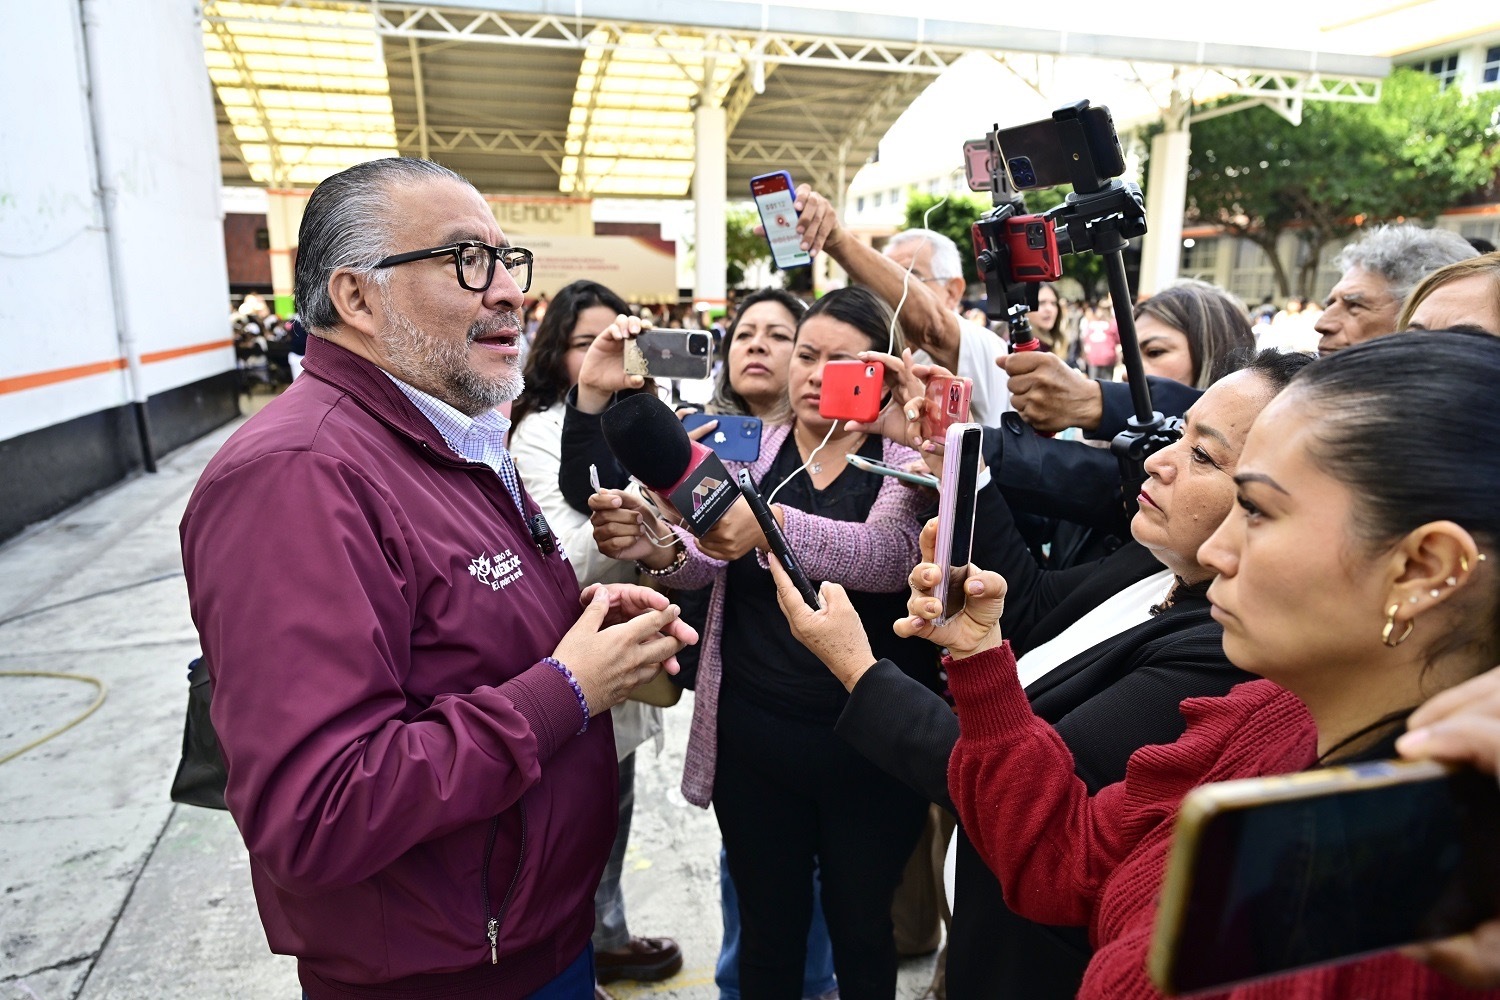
<point>426,805</point>
<point>1380,270</point>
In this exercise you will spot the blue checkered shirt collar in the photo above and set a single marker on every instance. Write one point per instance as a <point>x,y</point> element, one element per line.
<point>479,439</point>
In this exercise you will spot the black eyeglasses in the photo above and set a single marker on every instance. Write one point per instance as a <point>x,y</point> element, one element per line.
<point>474,262</point>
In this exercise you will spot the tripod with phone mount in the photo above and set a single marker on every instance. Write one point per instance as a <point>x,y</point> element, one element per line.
<point>1006,298</point>
<point>1101,216</point>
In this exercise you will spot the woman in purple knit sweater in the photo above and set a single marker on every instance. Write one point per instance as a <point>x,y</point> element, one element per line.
<point>785,788</point>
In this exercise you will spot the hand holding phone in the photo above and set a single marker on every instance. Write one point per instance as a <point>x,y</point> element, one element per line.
<point>774,196</point>
<point>958,496</point>
<point>735,437</point>
<point>776,539</point>
<point>852,390</point>
<point>603,372</point>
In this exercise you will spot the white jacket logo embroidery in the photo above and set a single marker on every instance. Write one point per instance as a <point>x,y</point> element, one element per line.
<point>497,572</point>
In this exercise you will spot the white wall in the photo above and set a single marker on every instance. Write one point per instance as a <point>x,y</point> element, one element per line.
<point>156,111</point>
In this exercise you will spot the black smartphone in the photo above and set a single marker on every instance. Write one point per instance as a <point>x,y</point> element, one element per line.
<point>772,530</point>
<point>1035,155</point>
<point>1270,875</point>
<point>958,495</point>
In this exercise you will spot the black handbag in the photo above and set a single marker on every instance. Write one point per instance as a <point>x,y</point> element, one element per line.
<point>201,773</point>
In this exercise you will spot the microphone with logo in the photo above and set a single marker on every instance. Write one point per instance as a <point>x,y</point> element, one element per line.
<point>651,444</point>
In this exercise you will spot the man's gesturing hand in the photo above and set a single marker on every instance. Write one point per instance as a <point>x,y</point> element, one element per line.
<point>624,636</point>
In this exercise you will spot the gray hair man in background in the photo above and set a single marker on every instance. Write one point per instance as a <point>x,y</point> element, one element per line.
<point>1380,270</point>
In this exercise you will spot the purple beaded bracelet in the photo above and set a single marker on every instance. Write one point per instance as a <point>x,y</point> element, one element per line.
<point>577,691</point>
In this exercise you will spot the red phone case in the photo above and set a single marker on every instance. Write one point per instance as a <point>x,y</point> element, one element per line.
<point>852,390</point>
<point>1033,249</point>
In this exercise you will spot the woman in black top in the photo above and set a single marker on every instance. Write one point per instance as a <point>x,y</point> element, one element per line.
<point>785,789</point>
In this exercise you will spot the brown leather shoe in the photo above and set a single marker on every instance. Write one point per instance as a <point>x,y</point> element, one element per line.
<point>643,960</point>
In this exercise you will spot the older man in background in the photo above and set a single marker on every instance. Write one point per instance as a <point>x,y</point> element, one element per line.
<point>1380,271</point>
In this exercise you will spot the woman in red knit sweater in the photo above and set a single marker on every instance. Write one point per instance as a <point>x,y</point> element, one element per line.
<point>1357,577</point>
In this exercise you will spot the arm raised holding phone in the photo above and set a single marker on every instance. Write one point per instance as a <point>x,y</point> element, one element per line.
<point>929,324</point>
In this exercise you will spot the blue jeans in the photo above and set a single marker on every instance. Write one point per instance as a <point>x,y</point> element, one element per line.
<point>576,982</point>
<point>817,973</point>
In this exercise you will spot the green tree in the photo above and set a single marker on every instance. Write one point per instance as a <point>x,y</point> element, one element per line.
<point>1416,152</point>
<point>743,247</point>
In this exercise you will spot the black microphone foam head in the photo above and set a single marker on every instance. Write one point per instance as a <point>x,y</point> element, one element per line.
<point>648,440</point>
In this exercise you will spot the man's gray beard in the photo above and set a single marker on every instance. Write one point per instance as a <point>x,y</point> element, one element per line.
<point>441,368</point>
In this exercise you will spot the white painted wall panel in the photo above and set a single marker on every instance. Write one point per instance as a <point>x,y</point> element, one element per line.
<point>56,310</point>
<point>157,111</point>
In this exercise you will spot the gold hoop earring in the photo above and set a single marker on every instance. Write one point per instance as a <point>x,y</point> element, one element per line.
<point>1463,562</point>
<point>1390,627</point>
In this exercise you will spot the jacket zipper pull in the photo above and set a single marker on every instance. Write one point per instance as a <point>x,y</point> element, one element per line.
<point>493,929</point>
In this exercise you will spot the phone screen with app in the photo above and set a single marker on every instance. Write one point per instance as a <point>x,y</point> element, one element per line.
<point>774,196</point>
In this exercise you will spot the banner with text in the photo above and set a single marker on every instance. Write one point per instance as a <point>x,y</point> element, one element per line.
<point>633,268</point>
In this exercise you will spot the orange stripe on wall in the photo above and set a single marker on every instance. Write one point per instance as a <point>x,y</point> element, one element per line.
<point>37,379</point>
<point>182,352</point>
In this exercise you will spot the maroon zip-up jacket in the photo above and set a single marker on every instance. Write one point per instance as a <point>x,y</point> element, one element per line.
<point>373,610</point>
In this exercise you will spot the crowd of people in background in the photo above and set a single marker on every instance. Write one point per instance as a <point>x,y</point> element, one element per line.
<point>1306,570</point>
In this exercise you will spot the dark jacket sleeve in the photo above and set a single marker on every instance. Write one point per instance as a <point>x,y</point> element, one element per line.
<point>902,727</point>
<point>1169,397</point>
<point>1140,708</point>
<point>1066,480</point>
<point>1031,592</point>
<point>583,445</point>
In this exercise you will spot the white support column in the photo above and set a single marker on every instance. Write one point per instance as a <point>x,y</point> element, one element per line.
<point>1161,252</point>
<point>283,220</point>
<point>710,166</point>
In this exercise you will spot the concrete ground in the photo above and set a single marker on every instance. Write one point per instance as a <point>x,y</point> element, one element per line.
<point>112,891</point>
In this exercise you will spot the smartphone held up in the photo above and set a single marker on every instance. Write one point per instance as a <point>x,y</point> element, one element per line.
<point>733,437</point>
<point>1270,875</point>
<point>775,196</point>
<point>852,390</point>
<point>668,354</point>
<point>958,496</point>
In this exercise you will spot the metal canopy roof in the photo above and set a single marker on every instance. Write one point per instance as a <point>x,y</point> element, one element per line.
<point>595,97</point>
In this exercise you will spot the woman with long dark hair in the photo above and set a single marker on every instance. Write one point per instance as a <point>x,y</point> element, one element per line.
<point>1049,320</point>
<point>786,790</point>
<point>574,317</point>
<point>1190,332</point>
